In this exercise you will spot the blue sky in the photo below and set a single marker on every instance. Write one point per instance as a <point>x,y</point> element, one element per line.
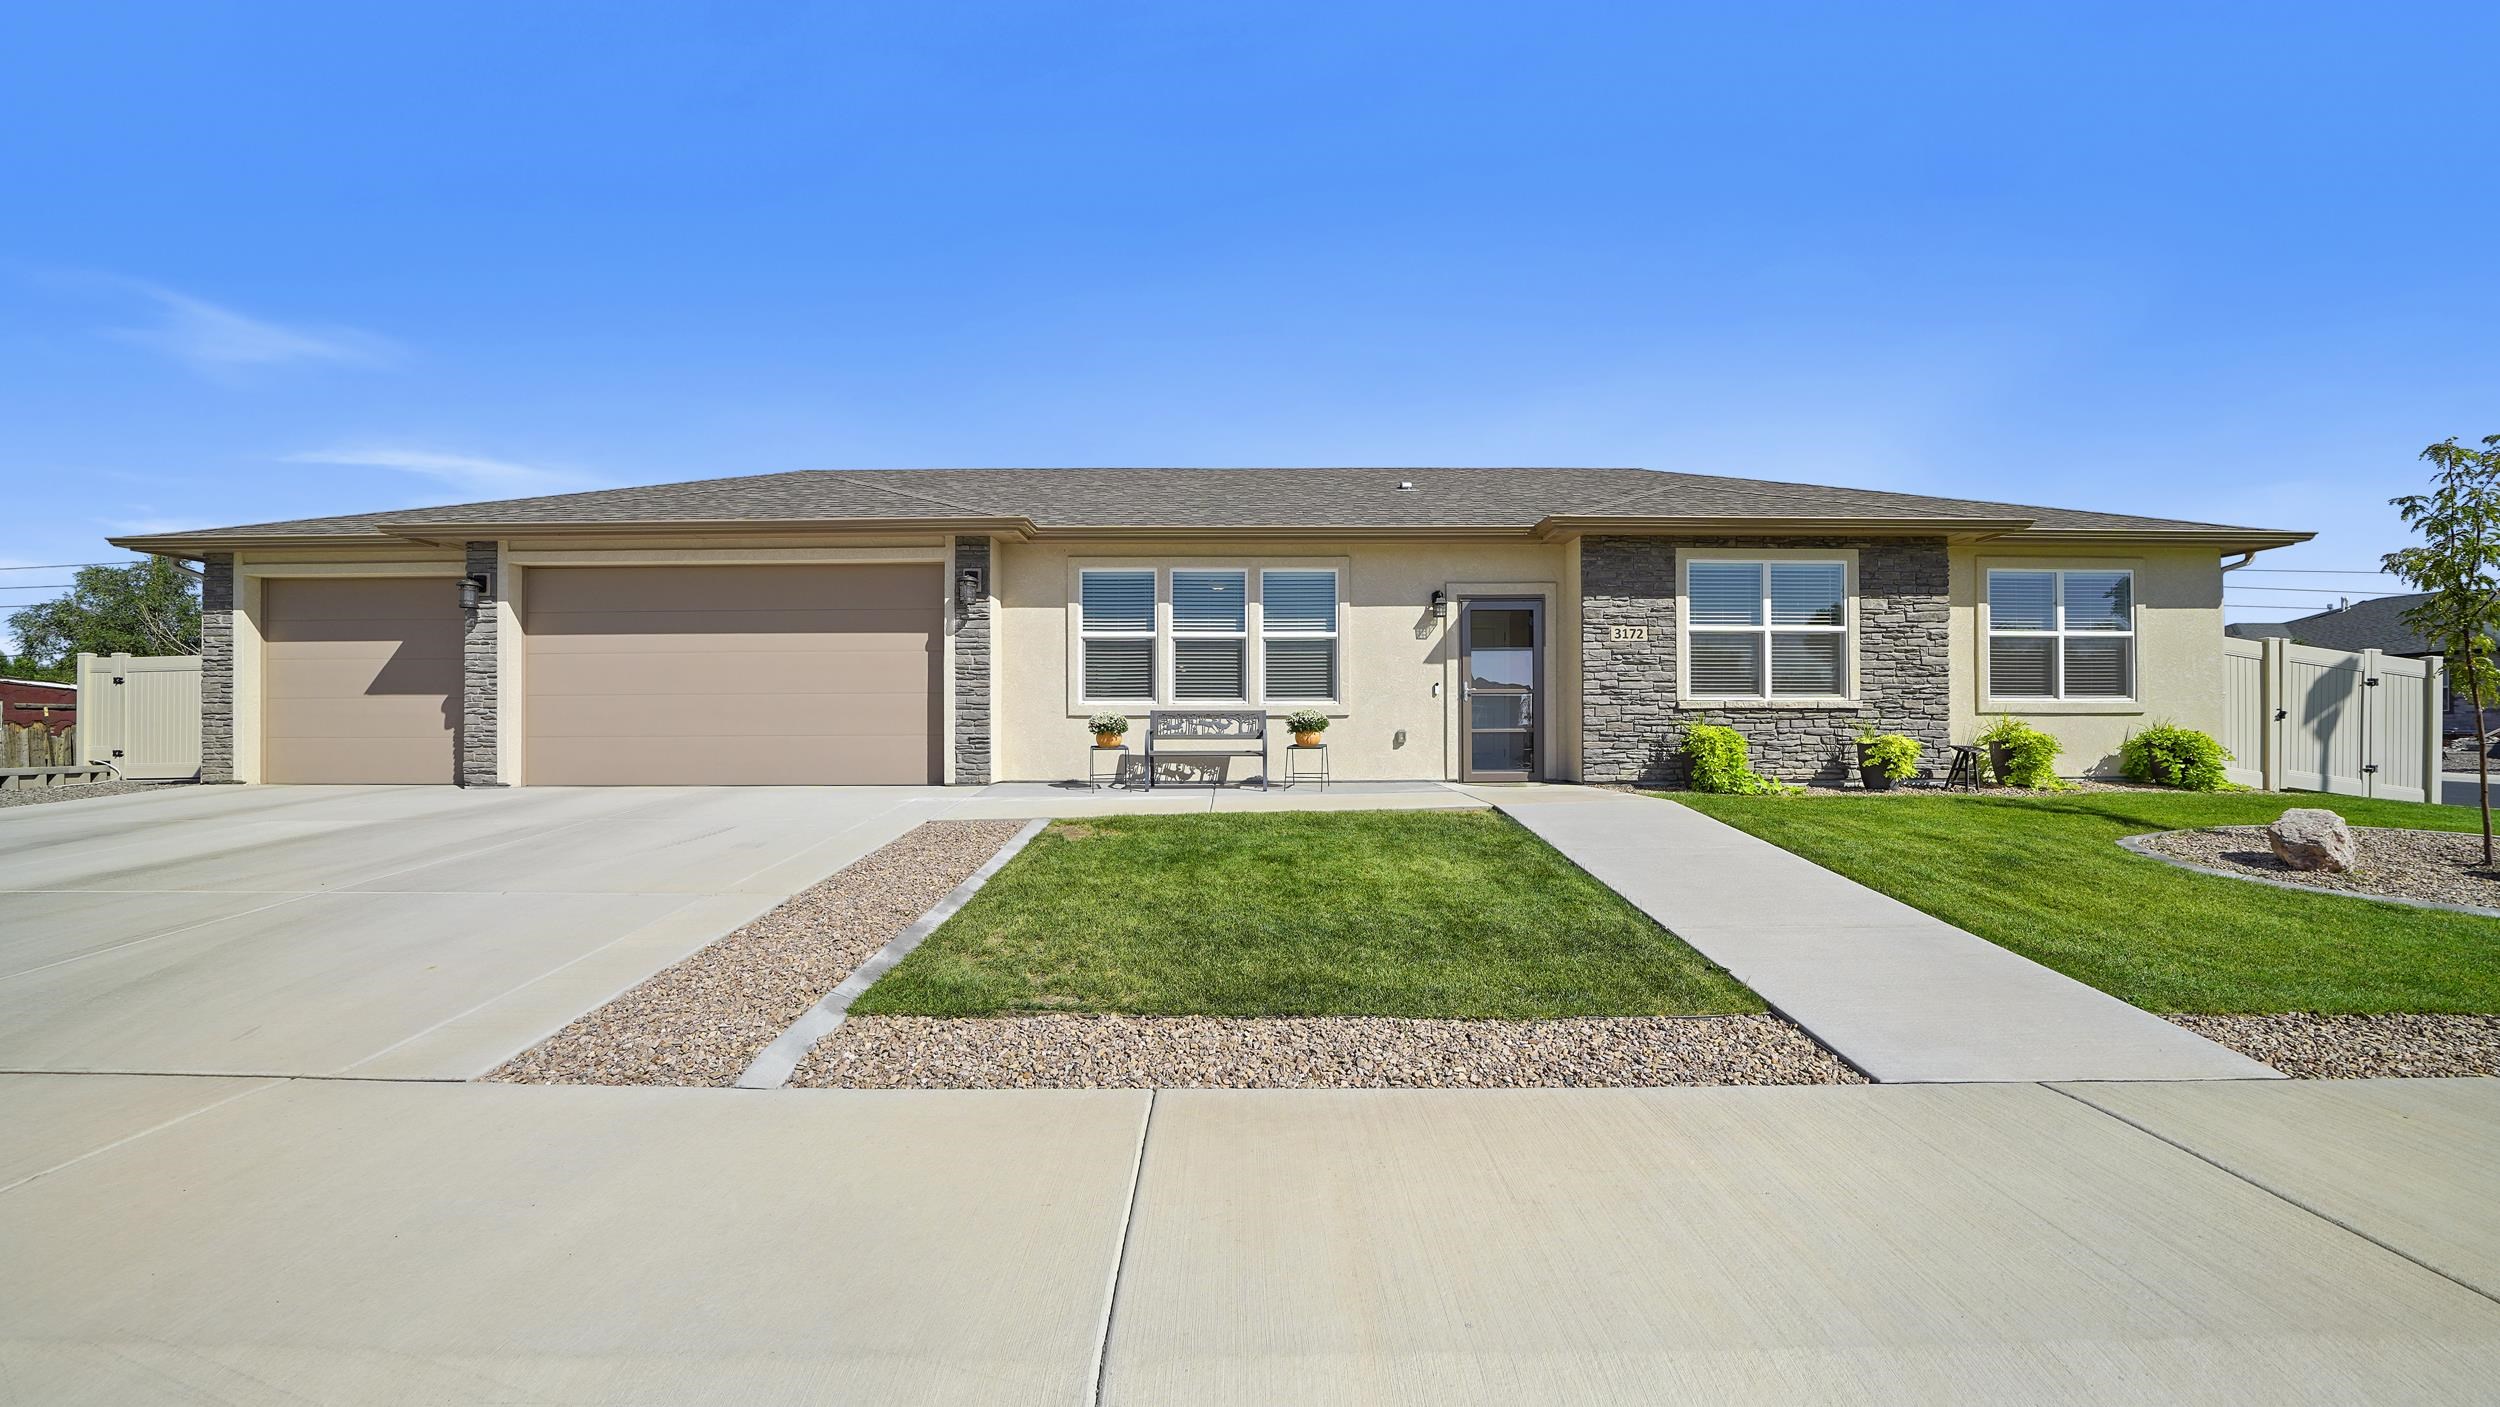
<point>2231,263</point>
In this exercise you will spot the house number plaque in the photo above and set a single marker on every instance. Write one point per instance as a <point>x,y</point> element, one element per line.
<point>1627,632</point>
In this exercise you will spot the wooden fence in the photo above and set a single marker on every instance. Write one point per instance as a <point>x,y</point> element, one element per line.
<point>33,745</point>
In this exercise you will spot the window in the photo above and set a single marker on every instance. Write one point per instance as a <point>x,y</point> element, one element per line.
<point>1210,636</point>
<point>2061,634</point>
<point>1298,635</point>
<point>1117,622</point>
<point>1768,629</point>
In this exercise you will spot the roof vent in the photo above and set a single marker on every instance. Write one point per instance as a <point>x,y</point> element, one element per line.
<point>1406,485</point>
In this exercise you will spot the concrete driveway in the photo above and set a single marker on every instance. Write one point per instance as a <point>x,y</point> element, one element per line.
<point>386,932</point>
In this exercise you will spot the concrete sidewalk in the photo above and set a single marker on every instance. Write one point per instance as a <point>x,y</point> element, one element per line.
<point>1898,994</point>
<point>361,1242</point>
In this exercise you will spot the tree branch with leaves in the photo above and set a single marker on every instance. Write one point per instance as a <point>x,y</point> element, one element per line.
<point>2457,565</point>
<point>145,608</point>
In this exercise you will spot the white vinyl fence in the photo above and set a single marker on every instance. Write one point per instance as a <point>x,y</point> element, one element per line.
<point>2357,723</point>
<point>141,713</point>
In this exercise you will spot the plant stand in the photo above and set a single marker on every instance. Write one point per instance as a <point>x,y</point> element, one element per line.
<point>1095,780</point>
<point>1293,770</point>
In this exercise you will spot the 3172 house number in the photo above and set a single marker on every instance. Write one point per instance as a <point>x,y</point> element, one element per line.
<point>1627,632</point>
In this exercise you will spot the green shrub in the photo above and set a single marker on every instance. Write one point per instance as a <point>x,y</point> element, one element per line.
<point>1721,762</point>
<point>2032,760</point>
<point>1894,755</point>
<point>2171,756</point>
<point>1308,720</point>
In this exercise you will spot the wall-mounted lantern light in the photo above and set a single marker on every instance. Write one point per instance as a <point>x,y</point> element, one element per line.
<point>475,589</point>
<point>967,589</point>
<point>1440,605</point>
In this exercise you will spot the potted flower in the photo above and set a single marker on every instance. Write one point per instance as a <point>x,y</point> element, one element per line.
<point>1108,728</point>
<point>1885,758</point>
<point>1306,725</point>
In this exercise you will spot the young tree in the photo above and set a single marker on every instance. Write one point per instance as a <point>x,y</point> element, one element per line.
<point>145,608</point>
<point>2458,564</point>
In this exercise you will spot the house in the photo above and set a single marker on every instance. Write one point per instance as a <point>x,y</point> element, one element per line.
<point>2375,624</point>
<point>38,703</point>
<point>959,625</point>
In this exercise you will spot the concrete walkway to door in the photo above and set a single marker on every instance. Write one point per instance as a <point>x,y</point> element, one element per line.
<point>1898,994</point>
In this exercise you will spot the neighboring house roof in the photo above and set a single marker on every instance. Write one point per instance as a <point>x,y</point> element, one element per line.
<point>2259,630</point>
<point>1136,502</point>
<point>2364,625</point>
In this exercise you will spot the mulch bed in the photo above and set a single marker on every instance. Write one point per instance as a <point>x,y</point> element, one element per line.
<point>2440,867</point>
<point>701,1021</point>
<point>2359,1047</point>
<point>1336,1052</point>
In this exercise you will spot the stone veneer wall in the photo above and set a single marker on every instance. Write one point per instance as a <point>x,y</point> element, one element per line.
<point>217,667</point>
<point>480,674</point>
<point>971,743</point>
<point>1633,724</point>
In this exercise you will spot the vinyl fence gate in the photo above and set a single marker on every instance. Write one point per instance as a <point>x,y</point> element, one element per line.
<point>2352,722</point>
<point>141,713</point>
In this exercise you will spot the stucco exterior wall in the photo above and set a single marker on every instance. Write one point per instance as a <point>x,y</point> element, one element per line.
<point>2178,650</point>
<point>1399,711</point>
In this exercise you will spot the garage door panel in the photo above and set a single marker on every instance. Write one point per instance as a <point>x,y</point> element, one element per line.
<point>714,760</point>
<point>394,760</point>
<point>360,679</point>
<point>760,624</point>
<point>732,588</point>
<point>747,674</point>
<point>677,676</point>
<point>791,716</point>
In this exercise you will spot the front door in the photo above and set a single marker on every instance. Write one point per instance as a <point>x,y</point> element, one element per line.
<point>1499,656</point>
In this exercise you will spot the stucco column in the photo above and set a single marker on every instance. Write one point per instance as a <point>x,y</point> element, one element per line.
<point>480,675</point>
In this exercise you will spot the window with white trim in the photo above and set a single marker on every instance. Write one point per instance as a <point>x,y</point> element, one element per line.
<point>1116,623</point>
<point>2061,634</point>
<point>1772,629</point>
<point>1210,635</point>
<point>1298,634</point>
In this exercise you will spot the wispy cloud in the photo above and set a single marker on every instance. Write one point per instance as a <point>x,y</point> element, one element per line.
<point>462,473</point>
<point>218,341</point>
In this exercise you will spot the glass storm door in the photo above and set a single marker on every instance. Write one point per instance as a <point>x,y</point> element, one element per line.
<point>1498,660</point>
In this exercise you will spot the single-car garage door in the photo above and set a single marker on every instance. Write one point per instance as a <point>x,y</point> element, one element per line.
<point>360,679</point>
<point>732,674</point>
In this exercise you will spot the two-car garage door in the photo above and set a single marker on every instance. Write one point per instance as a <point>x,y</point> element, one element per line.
<point>733,674</point>
<point>637,675</point>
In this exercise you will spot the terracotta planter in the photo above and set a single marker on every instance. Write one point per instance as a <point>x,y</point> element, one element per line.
<point>1306,739</point>
<point>1107,739</point>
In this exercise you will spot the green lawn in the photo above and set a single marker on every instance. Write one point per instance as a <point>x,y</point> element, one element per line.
<point>1383,913</point>
<point>2044,878</point>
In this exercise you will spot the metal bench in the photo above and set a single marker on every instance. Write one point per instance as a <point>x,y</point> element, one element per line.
<point>1235,727</point>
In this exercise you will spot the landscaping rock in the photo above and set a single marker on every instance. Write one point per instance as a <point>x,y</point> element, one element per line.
<point>2311,838</point>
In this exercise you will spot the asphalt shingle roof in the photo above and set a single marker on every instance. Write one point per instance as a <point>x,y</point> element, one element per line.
<point>2364,625</point>
<point>1211,498</point>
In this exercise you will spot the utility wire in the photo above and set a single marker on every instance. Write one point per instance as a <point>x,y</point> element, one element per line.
<point>65,566</point>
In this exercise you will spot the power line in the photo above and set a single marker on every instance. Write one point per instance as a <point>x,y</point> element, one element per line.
<point>2320,590</point>
<point>56,586</point>
<point>2302,571</point>
<point>65,566</point>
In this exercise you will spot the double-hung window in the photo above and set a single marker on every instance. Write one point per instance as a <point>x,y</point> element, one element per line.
<point>2061,634</point>
<point>1116,622</point>
<point>1298,635</point>
<point>1210,635</point>
<point>1773,629</point>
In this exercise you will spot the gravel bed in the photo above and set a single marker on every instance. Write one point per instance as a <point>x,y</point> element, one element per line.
<point>1330,1052</point>
<point>2440,867</point>
<point>702,1021</point>
<point>2359,1047</point>
<point>37,796</point>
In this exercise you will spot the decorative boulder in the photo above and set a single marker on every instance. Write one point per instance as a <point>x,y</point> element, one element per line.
<point>2308,838</point>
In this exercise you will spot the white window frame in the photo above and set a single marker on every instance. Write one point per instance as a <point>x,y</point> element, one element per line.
<point>1336,647</point>
<point>1845,558</point>
<point>1253,570</point>
<point>2058,572</point>
<point>1173,634</point>
<point>1155,663</point>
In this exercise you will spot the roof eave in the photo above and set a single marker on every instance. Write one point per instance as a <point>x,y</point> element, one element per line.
<point>417,530</point>
<point>1562,526</point>
<point>2228,539</point>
